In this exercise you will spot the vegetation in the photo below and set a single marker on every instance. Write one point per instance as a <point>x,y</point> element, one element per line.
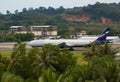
<point>50,64</point>
<point>7,36</point>
<point>52,16</point>
<point>100,50</point>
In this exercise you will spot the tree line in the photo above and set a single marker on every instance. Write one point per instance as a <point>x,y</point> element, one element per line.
<point>54,16</point>
<point>7,36</point>
<point>51,64</point>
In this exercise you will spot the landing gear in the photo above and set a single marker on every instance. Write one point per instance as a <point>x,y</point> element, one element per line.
<point>70,48</point>
<point>63,45</point>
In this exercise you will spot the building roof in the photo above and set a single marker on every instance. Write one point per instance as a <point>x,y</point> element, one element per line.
<point>15,26</point>
<point>46,26</point>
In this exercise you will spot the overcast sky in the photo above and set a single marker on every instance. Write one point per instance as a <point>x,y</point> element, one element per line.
<point>12,5</point>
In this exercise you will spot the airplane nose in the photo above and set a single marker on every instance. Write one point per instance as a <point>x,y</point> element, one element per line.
<point>30,43</point>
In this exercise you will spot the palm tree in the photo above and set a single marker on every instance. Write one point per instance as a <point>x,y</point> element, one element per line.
<point>16,59</point>
<point>104,67</point>
<point>46,58</point>
<point>99,69</point>
<point>51,57</point>
<point>9,77</point>
<point>92,51</point>
<point>100,50</point>
<point>106,49</point>
<point>50,76</point>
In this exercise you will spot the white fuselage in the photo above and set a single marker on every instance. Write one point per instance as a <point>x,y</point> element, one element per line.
<point>113,39</point>
<point>68,42</point>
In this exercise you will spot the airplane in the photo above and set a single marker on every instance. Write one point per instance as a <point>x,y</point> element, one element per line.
<point>70,43</point>
<point>111,39</point>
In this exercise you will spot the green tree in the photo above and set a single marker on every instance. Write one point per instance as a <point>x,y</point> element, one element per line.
<point>16,11</point>
<point>106,49</point>
<point>99,69</point>
<point>17,60</point>
<point>104,67</point>
<point>48,76</point>
<point>65,60</point>
<point>46,58</point>
<point>51,57</point>
<point>98,49</point>
<point>2,67</point>
<point>24,37</point>
<point>9,77</point>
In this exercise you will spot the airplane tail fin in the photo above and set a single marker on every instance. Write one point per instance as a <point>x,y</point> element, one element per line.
<point>103,35</point>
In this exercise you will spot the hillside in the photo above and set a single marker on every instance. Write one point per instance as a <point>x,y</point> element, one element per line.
<point>99,14</point>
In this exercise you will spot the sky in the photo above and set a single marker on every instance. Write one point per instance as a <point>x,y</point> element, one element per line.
<point>13,5</point>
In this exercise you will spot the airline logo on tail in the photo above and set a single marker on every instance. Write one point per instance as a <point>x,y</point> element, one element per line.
<point>103,35</point>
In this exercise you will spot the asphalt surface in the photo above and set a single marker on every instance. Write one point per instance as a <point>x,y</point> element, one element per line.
<point>8,47</point>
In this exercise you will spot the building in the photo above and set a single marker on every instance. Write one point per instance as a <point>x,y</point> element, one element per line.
<point>44,30</point>
<point>18,29</point>
<point>38,31</point>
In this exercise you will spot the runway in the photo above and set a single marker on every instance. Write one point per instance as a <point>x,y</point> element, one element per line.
<point>8,47</point>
